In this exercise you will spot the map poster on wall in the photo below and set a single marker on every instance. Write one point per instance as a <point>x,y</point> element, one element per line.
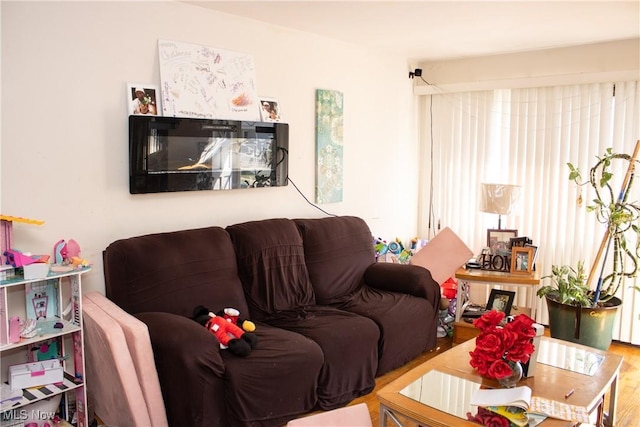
<point>329,119</point>
<point>205,82</point>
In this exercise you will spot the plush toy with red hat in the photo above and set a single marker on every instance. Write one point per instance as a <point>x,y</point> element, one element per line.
<point>229,335</point>
<point>232,315</point>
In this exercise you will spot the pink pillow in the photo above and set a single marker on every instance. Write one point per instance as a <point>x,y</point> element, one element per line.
<point>352,416</point>
<point>112,384</point>
<point>443,255</point>
<point>138,342</point>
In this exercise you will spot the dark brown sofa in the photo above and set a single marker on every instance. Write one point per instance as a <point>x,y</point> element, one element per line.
<point>329,319</point>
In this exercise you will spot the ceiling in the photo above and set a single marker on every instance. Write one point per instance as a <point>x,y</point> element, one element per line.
<point>441,30</point>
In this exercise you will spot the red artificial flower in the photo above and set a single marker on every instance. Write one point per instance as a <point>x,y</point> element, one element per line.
<point>499,369</point>
<point>489,320</point>
<point>499,343</point>
<point>488,418</point>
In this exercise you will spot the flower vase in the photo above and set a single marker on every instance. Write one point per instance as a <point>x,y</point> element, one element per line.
<point>516,375</point>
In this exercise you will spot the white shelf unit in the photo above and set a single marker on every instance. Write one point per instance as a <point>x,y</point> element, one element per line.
<point>69,341</point>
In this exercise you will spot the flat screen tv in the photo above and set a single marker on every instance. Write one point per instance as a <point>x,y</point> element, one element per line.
<point>185,154</point>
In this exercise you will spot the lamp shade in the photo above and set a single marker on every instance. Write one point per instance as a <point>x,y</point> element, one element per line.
<point>501,199</point>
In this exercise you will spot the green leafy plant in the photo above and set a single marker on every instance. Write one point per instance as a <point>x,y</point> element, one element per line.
<point>568,286</point>
<point>619,214</point>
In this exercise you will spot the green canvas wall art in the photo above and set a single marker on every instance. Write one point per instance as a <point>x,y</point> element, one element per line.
<point>329,146</point>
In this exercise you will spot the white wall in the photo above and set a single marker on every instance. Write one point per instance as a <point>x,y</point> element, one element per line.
<point>599,62</point>
<point>65,66</point>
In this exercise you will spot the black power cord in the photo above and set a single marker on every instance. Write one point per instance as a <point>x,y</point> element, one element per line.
<point>285,153</point>
<point>418,73</point>
<point>308,201</point>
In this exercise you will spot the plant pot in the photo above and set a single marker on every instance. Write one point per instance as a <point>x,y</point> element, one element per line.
<point>583,325</point>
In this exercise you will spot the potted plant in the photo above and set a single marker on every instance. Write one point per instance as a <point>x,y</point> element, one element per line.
<point>578,311</point>
<point>572,314</point>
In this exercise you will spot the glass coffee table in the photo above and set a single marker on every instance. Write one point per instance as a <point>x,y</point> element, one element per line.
<point>438,392</point>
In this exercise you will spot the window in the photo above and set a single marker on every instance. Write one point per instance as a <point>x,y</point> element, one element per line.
<point>526,137</point>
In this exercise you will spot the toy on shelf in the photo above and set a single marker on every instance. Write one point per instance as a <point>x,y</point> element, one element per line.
<point>20,259</point>
<point>6,230</point>
<point>67,256</point>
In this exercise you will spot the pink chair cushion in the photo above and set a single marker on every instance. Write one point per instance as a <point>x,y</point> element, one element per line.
<point>112,383</point>
<point>139,345</point>
<point>351,416</point>
<point>443,255</point>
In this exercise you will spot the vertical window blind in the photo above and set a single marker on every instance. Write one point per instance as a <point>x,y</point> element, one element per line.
<point>526,137</point>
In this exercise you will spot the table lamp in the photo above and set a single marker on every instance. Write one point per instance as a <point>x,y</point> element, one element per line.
<point>501,199</point>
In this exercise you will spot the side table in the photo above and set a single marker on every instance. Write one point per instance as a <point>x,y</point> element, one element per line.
<point>531,282</point>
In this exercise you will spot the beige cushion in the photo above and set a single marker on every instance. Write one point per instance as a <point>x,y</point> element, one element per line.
<point>443,255</point>
<point>138,343</point>
<point>351,416</point>
<point>112,383</point>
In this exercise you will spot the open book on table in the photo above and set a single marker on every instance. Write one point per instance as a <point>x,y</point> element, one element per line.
<point>510,403</point>
<point>518,402</point>
<point>518,396</point>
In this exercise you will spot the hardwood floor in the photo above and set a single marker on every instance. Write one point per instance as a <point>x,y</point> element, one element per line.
<point>628,413</point>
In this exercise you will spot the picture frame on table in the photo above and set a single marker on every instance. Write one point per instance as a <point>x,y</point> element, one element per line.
<point>519,241</point>
<point>270,110</point>
<point>143,99</point>
<point>535,255</point>
<point>499,240</point>
<point>522,260</point>
<point>501,300</point>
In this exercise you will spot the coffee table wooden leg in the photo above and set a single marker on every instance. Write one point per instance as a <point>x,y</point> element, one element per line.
<point>610,418</point>
<point>600,413</point>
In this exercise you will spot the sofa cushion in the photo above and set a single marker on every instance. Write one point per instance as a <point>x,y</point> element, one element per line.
<point>407,324</point>
<point>190,370</point>
<point>272,267</point>
<point>337,250</point>
<point>339,254</point>
<point>271,264</point>
<point>349,343</point>
<point>174,272</point>
<point>276,382</point>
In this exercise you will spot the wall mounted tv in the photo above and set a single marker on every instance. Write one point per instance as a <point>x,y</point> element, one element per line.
<point>185,154</point>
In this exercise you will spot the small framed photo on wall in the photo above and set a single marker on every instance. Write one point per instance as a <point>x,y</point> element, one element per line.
<point>522,260</point>
<point>142,99</point>
<point>501,300</point>
<point>270,110</point>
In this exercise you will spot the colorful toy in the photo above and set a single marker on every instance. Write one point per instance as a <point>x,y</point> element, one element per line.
<point>396,247</point>
<point>229,335</point>
<point>232,315</point>
<point>6,230</point>
<point>393,252</point>
<point>380,246</point>
<point>68,253</point>
<point>19,259</point>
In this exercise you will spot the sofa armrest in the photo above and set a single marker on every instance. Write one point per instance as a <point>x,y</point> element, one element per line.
<point>407,279</point>
<point>190,368</point>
